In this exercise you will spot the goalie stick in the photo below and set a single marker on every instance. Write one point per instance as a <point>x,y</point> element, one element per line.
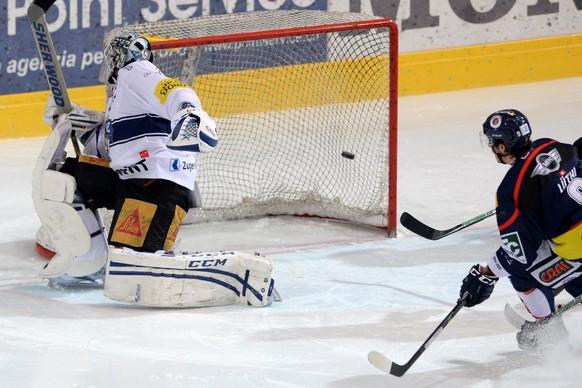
<point>46,49</point>
<point>383,363</point>
<point>518,321</point>
<point>422,229</point>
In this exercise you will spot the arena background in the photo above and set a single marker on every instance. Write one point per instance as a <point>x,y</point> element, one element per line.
<point>444,45</point>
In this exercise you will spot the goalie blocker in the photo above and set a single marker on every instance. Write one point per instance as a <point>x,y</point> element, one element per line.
<point>189,280</point>
<point>192,130</point>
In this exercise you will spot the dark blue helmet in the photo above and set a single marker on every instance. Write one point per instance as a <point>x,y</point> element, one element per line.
<point>510,127</point>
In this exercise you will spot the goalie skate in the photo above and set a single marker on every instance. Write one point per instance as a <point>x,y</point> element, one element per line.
<point>70,283</point>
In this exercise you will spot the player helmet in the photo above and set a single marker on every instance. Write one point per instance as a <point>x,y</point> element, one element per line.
<point>124,49</point>
<point>510,127</point>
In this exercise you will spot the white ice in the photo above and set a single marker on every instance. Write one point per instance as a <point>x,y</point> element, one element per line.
<point>347,289</point>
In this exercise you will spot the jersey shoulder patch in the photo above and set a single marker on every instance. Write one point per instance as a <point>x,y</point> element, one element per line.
<point>165,86</point>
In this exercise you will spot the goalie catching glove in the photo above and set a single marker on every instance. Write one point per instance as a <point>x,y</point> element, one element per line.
<point>478,285</point>
<point>82,119</point>
<point>192,130</point>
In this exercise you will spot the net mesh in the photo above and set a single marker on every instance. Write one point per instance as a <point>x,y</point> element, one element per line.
<point>286,107</point>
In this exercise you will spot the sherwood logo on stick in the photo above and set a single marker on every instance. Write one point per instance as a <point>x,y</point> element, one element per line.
<point>46,49</point>
<point>48,60</point>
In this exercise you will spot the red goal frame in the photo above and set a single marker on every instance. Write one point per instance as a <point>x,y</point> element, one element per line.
<point>390,228</point>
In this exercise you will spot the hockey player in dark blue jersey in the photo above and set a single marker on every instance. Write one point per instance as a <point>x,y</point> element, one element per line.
<point>539,216</point>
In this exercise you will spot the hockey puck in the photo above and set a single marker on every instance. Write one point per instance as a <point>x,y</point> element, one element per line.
<point>348,155</point>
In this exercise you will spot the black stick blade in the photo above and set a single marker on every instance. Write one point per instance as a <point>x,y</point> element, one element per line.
<point>414,225</point>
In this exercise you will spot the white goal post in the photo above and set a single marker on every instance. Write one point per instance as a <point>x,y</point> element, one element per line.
<point>306,109</point>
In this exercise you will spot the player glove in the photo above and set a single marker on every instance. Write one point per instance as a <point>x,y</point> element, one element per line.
<point>478,286</point>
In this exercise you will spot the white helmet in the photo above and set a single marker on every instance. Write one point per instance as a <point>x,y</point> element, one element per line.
<point>124,49</point>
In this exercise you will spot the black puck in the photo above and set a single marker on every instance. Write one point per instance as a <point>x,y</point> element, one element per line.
<point>348,155</point>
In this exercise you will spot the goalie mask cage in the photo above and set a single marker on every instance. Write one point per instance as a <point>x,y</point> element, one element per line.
<point>290,91</point>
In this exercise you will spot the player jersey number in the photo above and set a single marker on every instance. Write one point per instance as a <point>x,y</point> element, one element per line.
<point>575,190</point>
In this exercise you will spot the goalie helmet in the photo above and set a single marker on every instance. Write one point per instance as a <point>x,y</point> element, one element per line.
<point>510,127</point>
<point>124,49</point>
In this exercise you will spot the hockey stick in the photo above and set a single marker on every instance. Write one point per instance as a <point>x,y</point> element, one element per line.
<point>422,229</point>
<point>383,363</point>
<point>518,321</point>
<point>46,49</point>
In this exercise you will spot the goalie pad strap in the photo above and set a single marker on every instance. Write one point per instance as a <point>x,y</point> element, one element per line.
<point>198,280</point>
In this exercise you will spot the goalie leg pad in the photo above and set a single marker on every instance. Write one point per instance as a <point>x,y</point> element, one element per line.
<point>60,218</point>
<point>58,187</point>
<point>72,229</point>
<point>96,257</point>
<point>77,235</point>
<point>44,245</point>
<point>49,205</point>
<point>197,280</point>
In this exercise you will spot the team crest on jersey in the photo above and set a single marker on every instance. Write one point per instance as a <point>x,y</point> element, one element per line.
<point>547,163</point>
<point>512,245</point>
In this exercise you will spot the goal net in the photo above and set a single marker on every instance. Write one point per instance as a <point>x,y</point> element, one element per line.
<point>306,109</point>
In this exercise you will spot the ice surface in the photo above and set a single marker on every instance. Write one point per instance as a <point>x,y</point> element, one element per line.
<point>347,289</point>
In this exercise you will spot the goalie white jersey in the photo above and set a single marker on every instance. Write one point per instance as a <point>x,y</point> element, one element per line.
<point>138,118</point>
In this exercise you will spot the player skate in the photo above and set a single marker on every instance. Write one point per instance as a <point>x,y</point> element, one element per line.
<point>543,335</point>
